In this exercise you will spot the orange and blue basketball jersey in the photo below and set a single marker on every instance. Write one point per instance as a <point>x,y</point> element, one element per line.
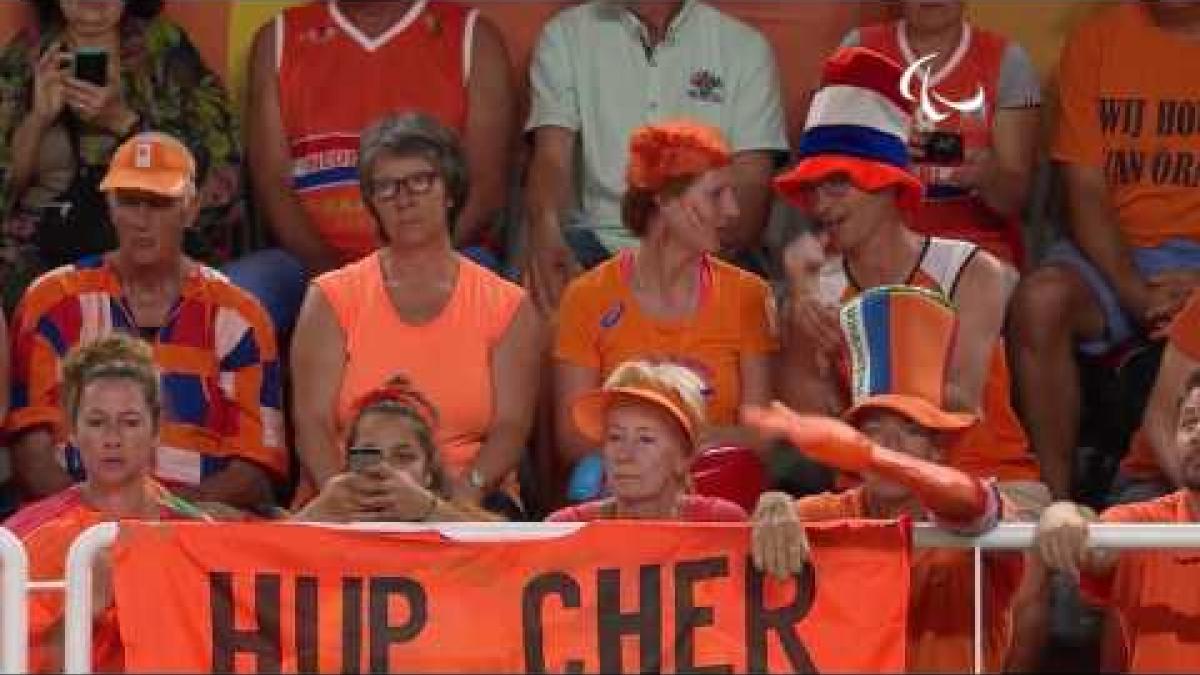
<point>334,82</point>
<point>948,210</point>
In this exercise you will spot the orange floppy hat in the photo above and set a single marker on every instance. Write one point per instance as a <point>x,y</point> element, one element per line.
<point>900,339</point>
<point>672,149</point>
<point>858,125</point>
<point>669,387</point>
<point>151,162</point>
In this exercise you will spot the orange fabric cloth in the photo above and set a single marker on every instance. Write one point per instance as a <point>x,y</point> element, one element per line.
<point>610,596</point>
<point>941,614</point>
<point>961,217</point>
<point>330,90</point>
<point>1183,334</point>
<point>1127,107</point>
<point>448,359</point>
<point>692,509</point>
<point>1154,592</point>
<point>996,447</point>
<point>601,325</point>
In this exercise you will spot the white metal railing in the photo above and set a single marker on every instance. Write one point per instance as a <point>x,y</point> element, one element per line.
<point>1006,537</point>
<point>14,605</point>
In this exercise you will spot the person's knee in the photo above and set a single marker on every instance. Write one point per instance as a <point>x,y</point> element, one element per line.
<point>1045,305</point>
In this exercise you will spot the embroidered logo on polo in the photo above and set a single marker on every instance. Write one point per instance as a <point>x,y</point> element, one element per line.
<point>319,35</point>
<point>705,85</point>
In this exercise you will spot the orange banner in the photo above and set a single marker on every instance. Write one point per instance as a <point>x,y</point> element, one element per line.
<point>610,597</point>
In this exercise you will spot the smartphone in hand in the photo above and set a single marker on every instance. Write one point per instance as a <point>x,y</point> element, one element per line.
<point>91,66</point>
<point>361,458</point>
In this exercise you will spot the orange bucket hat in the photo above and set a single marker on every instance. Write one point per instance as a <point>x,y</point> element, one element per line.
<point>900,338</point>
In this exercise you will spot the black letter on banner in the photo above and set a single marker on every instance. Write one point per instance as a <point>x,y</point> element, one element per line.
<point>227,640</point>
<point>352,625</point>
<point>689,617</point>
<point>760,621</point>
<point>646,622</point>
<point>307,659</point>
<point>384,635</point>
<point>531,617</point>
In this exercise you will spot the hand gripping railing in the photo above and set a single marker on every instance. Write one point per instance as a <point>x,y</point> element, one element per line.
<point>14,605</point>
<point>1006,537</point>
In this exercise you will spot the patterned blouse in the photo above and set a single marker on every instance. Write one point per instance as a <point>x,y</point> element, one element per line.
<point>167,83</point>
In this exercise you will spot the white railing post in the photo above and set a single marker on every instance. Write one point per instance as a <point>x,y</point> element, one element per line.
<point>78,606</point>
<point>14,604</point>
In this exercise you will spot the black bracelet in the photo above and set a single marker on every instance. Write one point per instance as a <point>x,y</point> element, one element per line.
<point>433,504</point>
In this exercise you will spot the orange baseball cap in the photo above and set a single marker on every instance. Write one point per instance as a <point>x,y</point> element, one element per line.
<point>151,162</point>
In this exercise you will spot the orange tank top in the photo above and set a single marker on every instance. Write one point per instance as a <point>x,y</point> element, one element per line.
<point>949,211</point>
<point>334,82</point>
<point>448,359</point>
<point>996,447</point>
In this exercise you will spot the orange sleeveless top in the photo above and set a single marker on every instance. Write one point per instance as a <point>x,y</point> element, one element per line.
<point>334,82</point>
<point>448,359</point>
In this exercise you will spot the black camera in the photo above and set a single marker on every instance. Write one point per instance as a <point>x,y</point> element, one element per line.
<point>941,147</point>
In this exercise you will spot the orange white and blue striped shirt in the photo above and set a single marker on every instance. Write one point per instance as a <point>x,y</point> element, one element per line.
<point>216,353</point>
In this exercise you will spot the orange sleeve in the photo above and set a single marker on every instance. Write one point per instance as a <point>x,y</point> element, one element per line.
<point>1184,331</point>
<point>576,334</point>
<point>340,288</point>
<point>35,368</point>
<point>757,316</point>
<point>830,506</point>
<point>1078,138</point>
<point>1126,577</point>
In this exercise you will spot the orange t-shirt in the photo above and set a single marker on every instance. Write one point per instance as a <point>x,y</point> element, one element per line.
<point>601,325</point>
<point>1154,593</point>
<point>941,614</point>
<point>334,81</point>
<point>448,359</point>
<point>1131,107</point>
<point>1183,335</point>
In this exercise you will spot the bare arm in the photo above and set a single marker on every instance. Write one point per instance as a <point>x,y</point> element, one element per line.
<point>751,175</point>
<point>270,164</point>
<point>318,364</point>
<point>1004,185</point>
<point>1061,542</point>
<point>35,465</point>
<point>1162,410</point>
<point>570,381</point>
<point>982,301</point>
<point>515,379</point>
<point>1094,228</point>
<point>488,139</point>
<point>549,264</point>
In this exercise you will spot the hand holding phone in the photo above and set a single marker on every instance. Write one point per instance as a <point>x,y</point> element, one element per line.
<point>91,66</point>
<point>361,458</point>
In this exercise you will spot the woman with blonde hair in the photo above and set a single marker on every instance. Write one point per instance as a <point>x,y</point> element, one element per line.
<point>648,419</point>
<point>113,408</point>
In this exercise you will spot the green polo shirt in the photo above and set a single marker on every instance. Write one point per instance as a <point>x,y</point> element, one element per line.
<point>594,73</point>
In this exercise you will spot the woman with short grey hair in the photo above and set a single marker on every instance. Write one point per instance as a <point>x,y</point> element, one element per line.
<point>464,336</point>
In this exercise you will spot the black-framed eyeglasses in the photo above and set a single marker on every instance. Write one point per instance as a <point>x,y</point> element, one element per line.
<point>413,184</point>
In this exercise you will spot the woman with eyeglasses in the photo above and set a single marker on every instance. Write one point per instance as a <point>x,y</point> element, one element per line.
<point>465,337</point>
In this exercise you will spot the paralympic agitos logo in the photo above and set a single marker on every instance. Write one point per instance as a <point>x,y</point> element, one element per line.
<point>933,104</point>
